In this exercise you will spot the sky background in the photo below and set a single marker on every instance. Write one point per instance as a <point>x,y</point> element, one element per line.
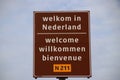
<point>16,36</point>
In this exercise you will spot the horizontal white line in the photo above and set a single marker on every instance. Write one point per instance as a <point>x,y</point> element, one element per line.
<point>63,33</point>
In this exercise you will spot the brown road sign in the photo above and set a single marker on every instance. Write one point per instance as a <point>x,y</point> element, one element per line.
<point>62,44</point>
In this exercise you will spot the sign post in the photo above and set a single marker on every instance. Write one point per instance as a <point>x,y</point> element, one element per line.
<point>62,78</point>
<point>62,44</point>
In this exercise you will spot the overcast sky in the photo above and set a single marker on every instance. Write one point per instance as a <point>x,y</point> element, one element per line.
<point>16,36</point>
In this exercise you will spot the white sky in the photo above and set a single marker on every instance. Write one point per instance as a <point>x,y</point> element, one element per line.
<point>16,36</point>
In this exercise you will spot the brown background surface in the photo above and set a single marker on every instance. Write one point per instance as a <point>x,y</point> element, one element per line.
<point>79,68</point>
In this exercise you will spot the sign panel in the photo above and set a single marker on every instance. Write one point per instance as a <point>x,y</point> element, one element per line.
<point>62,44</point>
